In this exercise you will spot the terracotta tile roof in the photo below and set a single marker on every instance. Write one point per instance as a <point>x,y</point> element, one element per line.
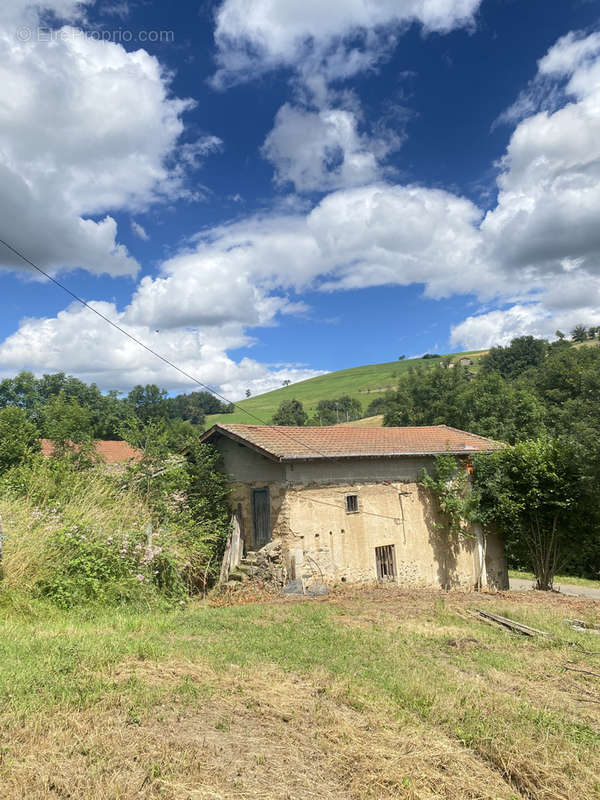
<point>337,441</point>
<point>111,452</point>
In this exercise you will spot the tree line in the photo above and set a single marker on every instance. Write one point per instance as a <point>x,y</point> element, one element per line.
<point>544,399</point>
<point>327,412</point>
<point>60,407</point>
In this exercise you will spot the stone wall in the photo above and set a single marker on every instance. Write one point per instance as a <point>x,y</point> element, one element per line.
<point>321,540</point>
<point>328,543</point>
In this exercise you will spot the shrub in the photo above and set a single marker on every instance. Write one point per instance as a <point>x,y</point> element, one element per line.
<point>84,565</point>
<point>18,437</point>
<point>80,536</point>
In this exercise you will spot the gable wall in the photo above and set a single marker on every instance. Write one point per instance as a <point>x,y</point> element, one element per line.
<point>246,465</point>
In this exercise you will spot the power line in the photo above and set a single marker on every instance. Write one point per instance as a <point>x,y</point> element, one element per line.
<point>158,355</point>
<point>182,371</point>
<point>396,520</point>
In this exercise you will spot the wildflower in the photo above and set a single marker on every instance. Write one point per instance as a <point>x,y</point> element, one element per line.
<point>140,577</point>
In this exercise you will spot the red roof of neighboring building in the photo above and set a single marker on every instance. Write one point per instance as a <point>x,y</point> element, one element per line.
<point>289,443</point>
<point>111,452</point>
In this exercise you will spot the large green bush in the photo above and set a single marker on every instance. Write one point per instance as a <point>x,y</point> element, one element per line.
<point>85,565</point>
<point>78,535</point>
<point>18,437</point>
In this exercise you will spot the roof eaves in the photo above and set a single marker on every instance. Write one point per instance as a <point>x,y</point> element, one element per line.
<point>403,454</point>
<point>223,431</point>
<point>473,435</point>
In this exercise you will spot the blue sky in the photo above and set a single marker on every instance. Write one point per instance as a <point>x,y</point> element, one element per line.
<point>282,188</point>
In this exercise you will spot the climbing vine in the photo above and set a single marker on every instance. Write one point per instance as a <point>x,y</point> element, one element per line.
<point>449,484</point>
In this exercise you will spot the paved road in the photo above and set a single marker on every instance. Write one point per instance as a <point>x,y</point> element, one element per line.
<point>521,585</point>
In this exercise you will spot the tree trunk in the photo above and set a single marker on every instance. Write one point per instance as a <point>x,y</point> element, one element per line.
<point>543,548</point>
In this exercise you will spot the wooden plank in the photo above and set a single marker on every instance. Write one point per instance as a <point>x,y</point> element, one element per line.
<point>224,574</point>
<point>234,549</point>
<point>476,615</point>
<point>519,627</point>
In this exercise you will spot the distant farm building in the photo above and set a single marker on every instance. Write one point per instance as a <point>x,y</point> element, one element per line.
<point>346,503</point>
<point>115,454</point>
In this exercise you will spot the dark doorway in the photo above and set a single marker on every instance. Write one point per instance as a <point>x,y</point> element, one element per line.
<point>261,518</point>
<point>385,558</point>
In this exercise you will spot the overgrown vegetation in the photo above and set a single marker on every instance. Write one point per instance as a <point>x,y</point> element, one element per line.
<point>77,535</point>
<point>448,483</point>
<point>544,399</point>
<point>535,493</point>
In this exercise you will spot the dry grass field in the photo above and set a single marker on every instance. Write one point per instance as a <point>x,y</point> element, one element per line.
<point>369,693</point>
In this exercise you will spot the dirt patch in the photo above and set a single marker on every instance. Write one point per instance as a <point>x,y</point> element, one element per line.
<point>262,734</point>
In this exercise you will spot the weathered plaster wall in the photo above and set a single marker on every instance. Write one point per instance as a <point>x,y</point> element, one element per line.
<point>325,541</point>
<point>346,470</point>
<point>246,465</point>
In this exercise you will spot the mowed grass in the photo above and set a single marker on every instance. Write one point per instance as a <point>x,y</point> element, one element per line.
<point>559,580</point>
<point>363,383</point>
<point>372,693</point>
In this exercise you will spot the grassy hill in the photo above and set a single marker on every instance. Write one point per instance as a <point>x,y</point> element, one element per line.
<point>364,383</point>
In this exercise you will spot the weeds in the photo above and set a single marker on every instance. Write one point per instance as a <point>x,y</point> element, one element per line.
<point>81,537</point>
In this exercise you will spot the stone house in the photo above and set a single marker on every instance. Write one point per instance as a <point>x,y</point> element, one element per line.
<point>347,504</point>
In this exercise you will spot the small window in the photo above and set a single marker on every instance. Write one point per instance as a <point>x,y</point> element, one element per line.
<point>385,559</point>
<point>351,503</point>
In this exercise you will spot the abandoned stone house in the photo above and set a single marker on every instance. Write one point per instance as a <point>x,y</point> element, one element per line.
<point>347,503</point>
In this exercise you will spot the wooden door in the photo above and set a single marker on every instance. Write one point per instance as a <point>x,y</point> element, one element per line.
<point>261,518</point>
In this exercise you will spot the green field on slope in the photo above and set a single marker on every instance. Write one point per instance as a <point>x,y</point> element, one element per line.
<point>364,383</point>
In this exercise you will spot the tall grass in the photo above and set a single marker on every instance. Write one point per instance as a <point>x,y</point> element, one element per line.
<point>80,536</point>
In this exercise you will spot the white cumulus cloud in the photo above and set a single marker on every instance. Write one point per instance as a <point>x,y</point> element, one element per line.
<point>86,128</point>
<point>322,41</point>
<point>535,254</point>
<point>79,342</point>
<point>535,319</point>
<point>324,150</point>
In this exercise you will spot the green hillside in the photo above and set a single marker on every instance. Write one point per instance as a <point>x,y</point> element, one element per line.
<point>364,383</point>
